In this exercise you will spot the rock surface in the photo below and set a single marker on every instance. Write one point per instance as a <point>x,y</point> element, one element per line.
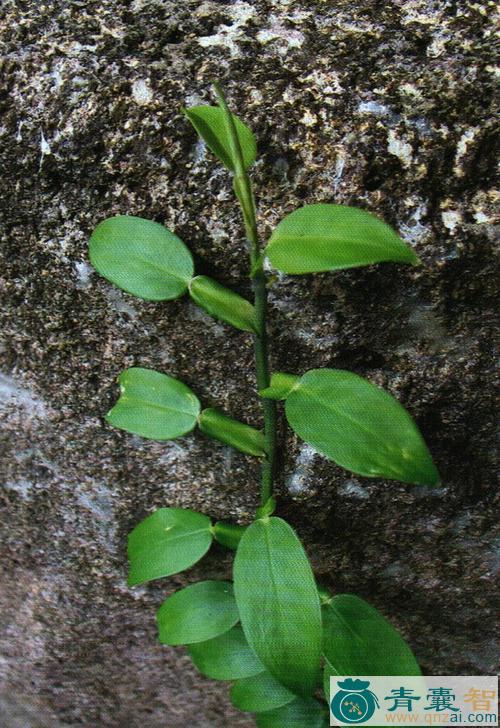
<point>383,105</point>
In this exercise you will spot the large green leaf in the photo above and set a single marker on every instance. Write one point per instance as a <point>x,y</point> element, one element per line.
<point>325,237</point>
<point>301,713</point>
<point>227,657</point>
<point>222,303</point>
<point>166,542</point>
<point>154,405</point>
<point>278,603</point>
<point>142,257</point>
<point>197,613</point>
<point>358,640</point>
<point>243,437</point>
<point>260,693</point>
<point>359,426</point>
<point>210,124</point>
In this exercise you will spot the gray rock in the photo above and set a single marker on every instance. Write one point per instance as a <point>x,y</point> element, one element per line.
<point>386,106</point>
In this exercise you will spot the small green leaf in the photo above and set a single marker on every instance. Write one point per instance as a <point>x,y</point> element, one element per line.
<point>222,303</point>
<point>226,657</point>
<point>197,613</point>
<point>280,386</point>
<point>260,693</point>
<point>228,534</point>
<point>279,604</point>
<point>301,713</point>
<point>359,426</point>
<point>243,437</point>
<point>326,237</point>
<point>210,124</point>
<point>154,405</point>
<point>358,640</point>
<point>141,257</point>
<point>166,542</point>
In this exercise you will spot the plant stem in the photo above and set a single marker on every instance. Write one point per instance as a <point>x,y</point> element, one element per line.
<point>262,367</point>
<point>244,193</point>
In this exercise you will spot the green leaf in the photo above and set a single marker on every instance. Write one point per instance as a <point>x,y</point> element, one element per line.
<point>141,257</point>
<point>154,405</point>
<point>280,386</point>
<point>325,237</point>
<point>358,640</point>
<point>210,124</point>
<point>278,603</point>
<point>228,534</point>
<point>243,437</point>
<point>302,713</point>
<point>166,542</point>
<point>222,303</point>
<point>226,657</point>
<point>260,693</point>
<point>359,426</point>
<point>197,613</point>
<point>328,672</point>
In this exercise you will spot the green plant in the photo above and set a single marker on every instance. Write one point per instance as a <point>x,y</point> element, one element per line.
<point>270,631</point>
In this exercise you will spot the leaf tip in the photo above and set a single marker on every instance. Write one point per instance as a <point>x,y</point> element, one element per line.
<point>132,580</point>
<point>432,479</point>
<point>436,481</point>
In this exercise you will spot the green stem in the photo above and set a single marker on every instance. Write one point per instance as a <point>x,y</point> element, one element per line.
<point>262,367</point>
<point>244,193</point>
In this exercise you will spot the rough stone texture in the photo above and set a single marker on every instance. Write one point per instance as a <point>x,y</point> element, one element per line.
<point>382,105</point>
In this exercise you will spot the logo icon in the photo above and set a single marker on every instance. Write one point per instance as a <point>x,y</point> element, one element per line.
<point>353,703</point>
